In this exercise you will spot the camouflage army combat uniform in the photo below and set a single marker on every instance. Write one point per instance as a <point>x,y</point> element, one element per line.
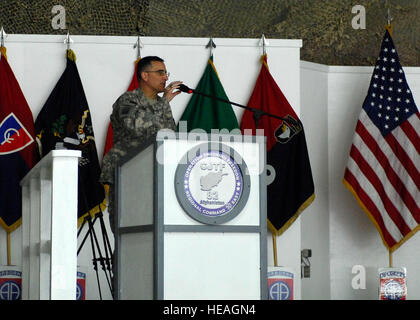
<point>134,119</point>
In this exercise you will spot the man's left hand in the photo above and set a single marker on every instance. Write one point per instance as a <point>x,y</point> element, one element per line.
<point>169,92</point>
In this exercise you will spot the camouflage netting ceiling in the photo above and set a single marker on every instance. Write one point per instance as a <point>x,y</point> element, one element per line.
<point>325,26</point>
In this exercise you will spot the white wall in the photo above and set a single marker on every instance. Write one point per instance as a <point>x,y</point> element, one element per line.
<point>106,66</point>
<point>353,239</point>
<point>315,218</point>
<point>334,226</point>
<point>328,100</point>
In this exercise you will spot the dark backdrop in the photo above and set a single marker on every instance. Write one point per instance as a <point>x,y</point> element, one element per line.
<point>324,25</point>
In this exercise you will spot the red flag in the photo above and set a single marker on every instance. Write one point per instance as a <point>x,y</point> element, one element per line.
<point>383,170</point>
<point>17,147</point>
<point>134,81</point>
<point>109,142</point>
<point>292,189</point>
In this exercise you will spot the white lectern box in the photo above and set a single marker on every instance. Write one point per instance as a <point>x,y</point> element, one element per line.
<point>191,219</point>
<point>49,227</point>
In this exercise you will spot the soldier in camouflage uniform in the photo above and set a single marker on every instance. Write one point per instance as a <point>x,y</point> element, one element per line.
<point>138,115</point>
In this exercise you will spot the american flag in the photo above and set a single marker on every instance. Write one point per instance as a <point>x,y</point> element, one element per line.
<point>384,164</point>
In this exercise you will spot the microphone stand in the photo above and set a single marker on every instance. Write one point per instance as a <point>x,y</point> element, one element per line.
<point>257,113</point>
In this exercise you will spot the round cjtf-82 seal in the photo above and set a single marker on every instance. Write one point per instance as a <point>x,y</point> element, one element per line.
<point>212,183</point>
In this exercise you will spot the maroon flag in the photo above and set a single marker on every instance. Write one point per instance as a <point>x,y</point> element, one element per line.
<point>109,140</point>
<point>383,168</point>
<point>292,189</point>
<point>17,147</point>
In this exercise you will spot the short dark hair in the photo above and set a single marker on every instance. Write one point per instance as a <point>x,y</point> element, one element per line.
<point>145,63</point>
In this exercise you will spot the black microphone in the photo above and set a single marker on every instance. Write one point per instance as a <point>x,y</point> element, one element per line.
<point>184,88</point>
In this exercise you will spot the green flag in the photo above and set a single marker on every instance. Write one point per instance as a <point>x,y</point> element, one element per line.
<point>207,113</point>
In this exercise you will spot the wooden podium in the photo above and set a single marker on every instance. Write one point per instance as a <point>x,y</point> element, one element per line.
<point>191,219</point>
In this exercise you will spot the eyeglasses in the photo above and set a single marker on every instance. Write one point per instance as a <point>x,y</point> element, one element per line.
<point>160,72</point>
